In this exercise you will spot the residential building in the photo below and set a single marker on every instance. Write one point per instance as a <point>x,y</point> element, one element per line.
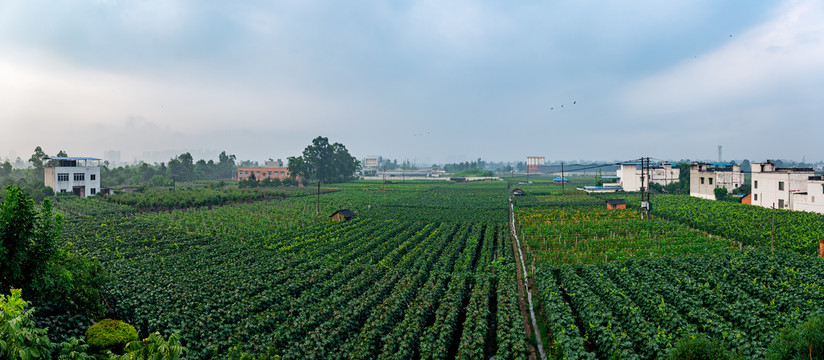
<point>78,175</point>
<point>274,163</point>
<point>261,173</point>
<point>371,162</point>
<point>811,200</point>
<point>706,177</point>
<point>775,187</point>
<point>629,175</point>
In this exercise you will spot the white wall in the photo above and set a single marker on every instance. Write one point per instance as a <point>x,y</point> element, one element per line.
<point>87,183</point>
<point>812,200</point>
<point>765,187</point>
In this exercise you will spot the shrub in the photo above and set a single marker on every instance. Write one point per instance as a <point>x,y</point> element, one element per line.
<point>700,347</point>
<point>19,337</point>
<point>155,347</point>
<point>805,341</point>
<point>110,335</point>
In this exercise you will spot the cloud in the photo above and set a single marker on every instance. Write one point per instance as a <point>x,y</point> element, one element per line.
<point>774,63</point>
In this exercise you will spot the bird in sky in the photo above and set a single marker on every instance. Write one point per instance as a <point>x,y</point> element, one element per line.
<point>574,102</point>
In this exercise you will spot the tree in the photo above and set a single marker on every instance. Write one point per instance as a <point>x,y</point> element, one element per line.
<point>19,334</point>
<point>62,153</point>
<point>36,159</point>
<point>5,169</point>
<point>721,193</point>
<point>28,240</point>
<point>34,262</point>
<point>324,162</point>
<point>225,165</point>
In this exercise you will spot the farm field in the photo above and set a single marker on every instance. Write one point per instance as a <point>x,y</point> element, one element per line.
<point>425,271</point>
<point>613,286</point>
<point>751,225</point>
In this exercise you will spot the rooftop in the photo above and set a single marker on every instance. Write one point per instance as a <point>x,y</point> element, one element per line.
<point>69,158</point>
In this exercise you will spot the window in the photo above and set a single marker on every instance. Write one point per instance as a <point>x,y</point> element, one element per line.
<point>702,180</point>
<point>755,197</point>
<point>64,190</point>
<point>780,185</point>
<point>755,183</point>
<point>93,190</point>
<point>780,203</point>
<point>62,176</point>
<point>92,177</point>
<point>710,181</point>
<point>79,176</point>
<point>812,198</point>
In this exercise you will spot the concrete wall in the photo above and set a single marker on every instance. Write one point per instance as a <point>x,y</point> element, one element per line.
<point>90,184</point>
<point>630,176</point>
<point>713,178</point>
<point>766,180</point>
<point>262,173</point>
<point>812,200</point>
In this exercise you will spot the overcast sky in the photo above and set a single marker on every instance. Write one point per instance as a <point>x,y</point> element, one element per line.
<point>431,81</point>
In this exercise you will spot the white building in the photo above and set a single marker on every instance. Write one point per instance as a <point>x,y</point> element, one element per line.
<point>706,177</point>
<point>371,162</point>
<point>78,175</point>
<point>813,199</point>
<point>772,186</point>
<point>630,175</point>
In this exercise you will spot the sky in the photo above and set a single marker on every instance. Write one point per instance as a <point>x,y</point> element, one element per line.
<point>428,81</point>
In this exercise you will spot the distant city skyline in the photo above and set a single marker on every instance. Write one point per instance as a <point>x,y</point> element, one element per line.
<point>428,81</point>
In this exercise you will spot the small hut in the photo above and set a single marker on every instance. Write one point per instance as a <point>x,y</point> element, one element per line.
<point>560,180</point>
<point>613,204</point>
<point>518,192</point>
<point>343,215</point>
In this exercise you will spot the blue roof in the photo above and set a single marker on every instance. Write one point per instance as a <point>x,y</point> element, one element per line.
<point>69,158</point>
<point>610,177</point>
<point>720,164</point>
<point>558,178</point>
<point>601,187</point>
<point>631,163</point>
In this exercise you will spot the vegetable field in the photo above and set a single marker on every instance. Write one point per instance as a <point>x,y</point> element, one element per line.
<point>425,271</point>
<point>613,286</point>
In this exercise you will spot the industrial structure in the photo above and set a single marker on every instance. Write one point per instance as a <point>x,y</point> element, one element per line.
<point>533,164</point>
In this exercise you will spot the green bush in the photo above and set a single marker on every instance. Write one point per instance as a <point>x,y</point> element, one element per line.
<point>805,341</point>
<point>110,335</point>
<point>19,337</point>
<point>700,347</point>
<point>154,347</point>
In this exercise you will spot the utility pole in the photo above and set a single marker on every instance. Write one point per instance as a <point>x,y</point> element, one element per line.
<point>646,179</point>
<point>318,207</point>
<point>563,180</point>
<point>772,232</point>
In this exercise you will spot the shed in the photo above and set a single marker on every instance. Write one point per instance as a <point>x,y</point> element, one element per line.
<point>518,192</point>
<point>343,214</point>
<point>616,204</point>
<point>559,180</point>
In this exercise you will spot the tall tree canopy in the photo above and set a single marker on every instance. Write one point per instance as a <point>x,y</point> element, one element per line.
<point>324,162</point>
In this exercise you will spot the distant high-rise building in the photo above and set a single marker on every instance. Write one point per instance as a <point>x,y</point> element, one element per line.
<point>112,156</point>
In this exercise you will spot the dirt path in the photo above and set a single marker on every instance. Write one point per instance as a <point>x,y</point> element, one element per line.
<point>525,295</point>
